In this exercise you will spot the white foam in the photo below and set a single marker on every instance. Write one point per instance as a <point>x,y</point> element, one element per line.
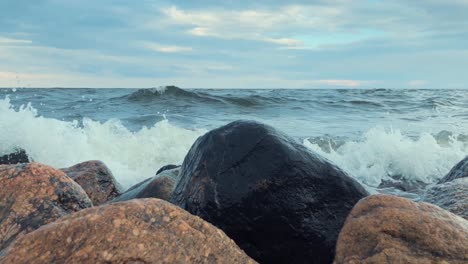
<point>383,152</point>
<point>132,156</point>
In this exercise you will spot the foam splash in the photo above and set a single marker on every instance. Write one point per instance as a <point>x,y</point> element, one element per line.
<point>131,156</point>
<point>385,153</point>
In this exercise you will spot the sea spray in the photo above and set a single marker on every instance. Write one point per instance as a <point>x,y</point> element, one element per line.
<point>385,153</point>
<point>132,156</point>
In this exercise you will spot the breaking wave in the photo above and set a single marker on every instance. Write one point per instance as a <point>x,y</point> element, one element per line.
<point>131,156</point>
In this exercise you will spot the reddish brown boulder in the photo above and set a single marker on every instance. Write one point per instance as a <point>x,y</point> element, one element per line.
<point>452,196</point>
<point>96,179</point>
<point>136,231</point>
<point>390,229</point>
<point>32,195</point>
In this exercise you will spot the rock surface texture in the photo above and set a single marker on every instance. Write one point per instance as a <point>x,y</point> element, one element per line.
<point>278,201</point>
<point>96,179</point>
<point>458,171</point>
<point>159,186</point>
<point>14,158</point>
<point>451,196</point>
<point>32,195</point>
<point>390,229</point>
<point>137,231</point>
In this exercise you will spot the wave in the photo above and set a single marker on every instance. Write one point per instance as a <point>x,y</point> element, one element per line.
<point>131,156</point>
<point>152,93</point>
<point>385,155</point>
<point>172,92</point>
<point>379,155</point>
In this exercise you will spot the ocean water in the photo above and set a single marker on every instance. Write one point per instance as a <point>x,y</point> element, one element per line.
<point>380,135</point>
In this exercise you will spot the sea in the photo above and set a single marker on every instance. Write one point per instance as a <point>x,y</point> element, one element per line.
<point>377,136</point>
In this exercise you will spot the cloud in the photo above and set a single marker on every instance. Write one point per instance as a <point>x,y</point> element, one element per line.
<point>11,41</point>
<point>257,25</point>
<point>206,43</point>
<point>165,49</point>
<point>417,83</point>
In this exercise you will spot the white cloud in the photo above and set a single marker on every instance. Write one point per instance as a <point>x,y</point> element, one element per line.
<point>165,49</point>
<point>417,83</point>
<point>10,41</point>
<point>259,25</point>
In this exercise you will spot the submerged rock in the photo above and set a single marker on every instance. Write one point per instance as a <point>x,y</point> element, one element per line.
<point>452,196</point>
<point>32,195</point>
<point>159,186</point>
<point>19,156</point>
<point>458,171</point>
<point>96,179</point>
<point>390,229</point>
<point>277,200</point>
<point>137,231</point>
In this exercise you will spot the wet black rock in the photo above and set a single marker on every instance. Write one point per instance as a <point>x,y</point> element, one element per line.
<point>19,156</point>
<point>167,167</point>
<point>458,171</point>
<point>159,186</point>
<point>280,202</point>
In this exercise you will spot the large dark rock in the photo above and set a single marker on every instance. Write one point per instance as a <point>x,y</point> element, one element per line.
<point>19,156</point>
<point>96,179</point>
<point>459,171</point>
<point>159,186</point>
<point>138,231</point>
<point>390,229</point>
<point>278,201</point>
<point>32,195</point>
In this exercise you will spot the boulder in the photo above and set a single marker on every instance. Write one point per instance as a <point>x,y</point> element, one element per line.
<point>167,167</point>
<point>280,202</point>
<point>137,231</point>
<point>390,229</point>
<point>96,179</point>
<point>159,186</point>
<point>459,171</point>
<point>19,156</point>
<point>452,196</point>
<point>32,195</point>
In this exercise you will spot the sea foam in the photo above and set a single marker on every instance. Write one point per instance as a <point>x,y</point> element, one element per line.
<point>131,156</point>
<point>383,154</point>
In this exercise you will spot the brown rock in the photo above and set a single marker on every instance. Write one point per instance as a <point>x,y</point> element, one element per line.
<point>160,186</point>
<point>32,195</point>
<point>96,179</point>
<point>452,196</point>
<point>390,229</point>
<point>136,231</point>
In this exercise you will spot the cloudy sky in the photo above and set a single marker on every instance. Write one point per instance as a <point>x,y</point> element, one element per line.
<point>234,43</point>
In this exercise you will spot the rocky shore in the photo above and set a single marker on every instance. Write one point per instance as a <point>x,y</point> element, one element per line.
<point>245,193</point>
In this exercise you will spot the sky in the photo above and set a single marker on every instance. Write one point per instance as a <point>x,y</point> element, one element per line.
<point>234,44</point>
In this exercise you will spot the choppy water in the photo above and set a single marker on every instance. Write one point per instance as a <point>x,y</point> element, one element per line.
<point>375,135</point>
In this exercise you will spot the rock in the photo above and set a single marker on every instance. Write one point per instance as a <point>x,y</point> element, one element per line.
<point>280,202</point>
<point>137,231</point>
<point>452,196</point>
<point>159,186</point>
<point>32,195</point>
<point>96,179</point>
<point>390,229</point>
<point>167,167</point>
<point>459,171</point>
<point>19,156</point>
